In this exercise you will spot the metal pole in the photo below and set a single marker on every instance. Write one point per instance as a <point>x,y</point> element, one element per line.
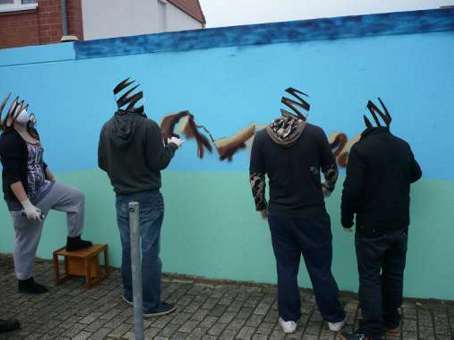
<point>136,265</point>
<point>64,17</point>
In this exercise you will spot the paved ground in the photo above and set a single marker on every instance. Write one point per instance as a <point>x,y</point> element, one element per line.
<point>205,311</point>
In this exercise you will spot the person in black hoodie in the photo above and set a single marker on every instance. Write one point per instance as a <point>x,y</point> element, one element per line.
<point>133,153</point>
<point>380,169</point>
<point>31,191</point>
<point>292,153</point>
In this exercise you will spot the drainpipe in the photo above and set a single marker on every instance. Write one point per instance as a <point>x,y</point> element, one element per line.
<point>64,21</point>
<point>64,17</point>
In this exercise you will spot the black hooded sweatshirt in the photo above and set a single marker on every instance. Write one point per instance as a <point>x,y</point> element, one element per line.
<point>380,169</point>
<point>292,161</point>
<point>132,152</point>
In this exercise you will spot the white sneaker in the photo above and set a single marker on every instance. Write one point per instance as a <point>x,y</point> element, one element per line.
<point>336,326</point>
<point>129,302</point>
<point>287,326</point>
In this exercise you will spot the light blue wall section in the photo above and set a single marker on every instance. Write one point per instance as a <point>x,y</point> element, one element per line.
<point>228,88</point>
<point>36,54</point>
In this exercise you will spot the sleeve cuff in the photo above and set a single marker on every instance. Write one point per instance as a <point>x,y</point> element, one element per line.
<point>347,222</point>
<point>172,146</point>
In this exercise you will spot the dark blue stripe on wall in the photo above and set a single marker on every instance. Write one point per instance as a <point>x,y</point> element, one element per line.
<point>294,31</point>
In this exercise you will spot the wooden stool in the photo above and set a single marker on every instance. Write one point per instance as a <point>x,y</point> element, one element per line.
<point>83,262</point>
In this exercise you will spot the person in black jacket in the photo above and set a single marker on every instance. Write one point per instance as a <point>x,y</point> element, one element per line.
<point>133,153</point>
<point>380,169</point>
<point>292,153</point>
<point>30,191</point>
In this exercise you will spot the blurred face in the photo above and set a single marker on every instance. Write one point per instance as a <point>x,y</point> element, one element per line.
<point>26,119</point>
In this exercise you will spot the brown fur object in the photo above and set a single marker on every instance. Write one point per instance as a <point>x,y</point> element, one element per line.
<point>188,127</point>
<point>227,147</point>
<point>169,122</point>
<point>190,130</point>
<point>341,147</point>
<point>337,140</point>
<point>343,157</point>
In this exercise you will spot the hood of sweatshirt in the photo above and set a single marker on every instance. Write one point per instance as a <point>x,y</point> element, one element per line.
<point>124,127</point>
<point>285,131</point>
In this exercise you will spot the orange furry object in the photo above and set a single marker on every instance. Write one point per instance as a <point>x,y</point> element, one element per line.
<point>190,130</point>
<point>227,147</point>
<point>169,122</point>
<point>188,127</point>
<point>341,146</point>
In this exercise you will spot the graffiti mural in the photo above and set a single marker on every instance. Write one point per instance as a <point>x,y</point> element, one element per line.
<point>227,147</point>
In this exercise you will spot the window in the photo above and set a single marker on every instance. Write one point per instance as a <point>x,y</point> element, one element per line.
<point>17,5</point>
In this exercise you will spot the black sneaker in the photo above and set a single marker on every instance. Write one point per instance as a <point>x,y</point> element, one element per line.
<point>163,309</point>
<point>76,243</point>
<point>9,325</point>
<point>29,286</point>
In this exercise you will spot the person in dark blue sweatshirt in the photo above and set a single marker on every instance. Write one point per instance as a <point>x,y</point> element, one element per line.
<point>293,153</point>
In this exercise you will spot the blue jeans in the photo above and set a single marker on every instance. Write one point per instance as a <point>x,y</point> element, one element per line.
<point>311,237</point>
<point>151,213</point>
<point>381,262</point>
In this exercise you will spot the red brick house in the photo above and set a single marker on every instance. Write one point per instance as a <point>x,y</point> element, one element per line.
<point>34,22</point>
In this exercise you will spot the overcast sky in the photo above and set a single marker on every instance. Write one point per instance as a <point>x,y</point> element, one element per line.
<point>241,12</point>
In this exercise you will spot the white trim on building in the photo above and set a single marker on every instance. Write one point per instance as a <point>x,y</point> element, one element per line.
<point>18,5</point>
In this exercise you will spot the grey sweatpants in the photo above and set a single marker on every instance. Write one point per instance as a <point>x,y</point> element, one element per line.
<point>28,232</point>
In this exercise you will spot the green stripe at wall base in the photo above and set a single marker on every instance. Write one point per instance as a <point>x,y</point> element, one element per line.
<point>211,230</point>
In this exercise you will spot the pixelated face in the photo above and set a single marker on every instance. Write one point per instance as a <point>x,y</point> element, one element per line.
<point>23,117</point>
<point>26,119</point>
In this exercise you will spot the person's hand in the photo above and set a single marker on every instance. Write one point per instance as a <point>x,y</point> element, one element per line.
<point>264,214</point>
<point>325,190</point>
<point>33,213</point>
<point>175,140</point>
<point>49,175</point>
<point>51,178</point>
<point>347,225</point>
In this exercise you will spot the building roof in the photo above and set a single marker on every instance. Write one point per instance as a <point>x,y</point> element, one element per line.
<point>190,7</point>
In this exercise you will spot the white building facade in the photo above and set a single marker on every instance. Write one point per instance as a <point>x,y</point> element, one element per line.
<point>117,18</point>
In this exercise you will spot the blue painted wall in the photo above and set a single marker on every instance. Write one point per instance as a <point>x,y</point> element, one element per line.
<point>228,88</point>
<point>232,77</point>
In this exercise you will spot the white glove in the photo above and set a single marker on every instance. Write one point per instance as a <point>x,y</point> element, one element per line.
<point>32,212</point>
<point>175,140</point>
